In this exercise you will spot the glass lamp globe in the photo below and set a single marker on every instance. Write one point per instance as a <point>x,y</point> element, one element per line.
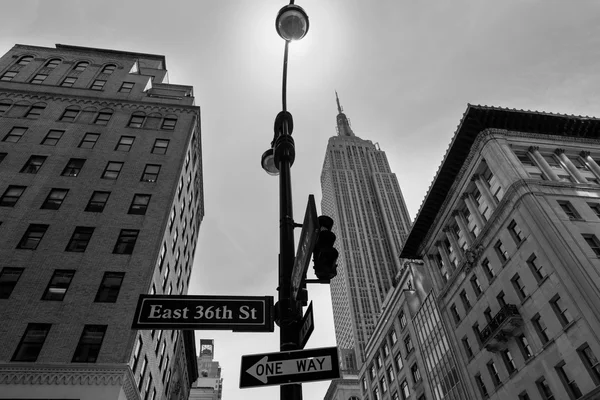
<point>267,162</point>
<point>291,22</point>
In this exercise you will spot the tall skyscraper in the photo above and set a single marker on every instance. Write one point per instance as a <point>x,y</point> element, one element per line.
<point>101,200</point>
<point>363,197</point>
<point>209,385</point>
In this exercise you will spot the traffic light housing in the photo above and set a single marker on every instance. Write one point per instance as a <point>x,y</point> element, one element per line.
<point>324,254</point>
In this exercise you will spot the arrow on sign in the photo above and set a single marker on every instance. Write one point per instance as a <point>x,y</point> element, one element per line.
<point>264,368</point>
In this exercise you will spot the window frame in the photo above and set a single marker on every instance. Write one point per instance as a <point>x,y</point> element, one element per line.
<point>94,205</point>
<point>36,343</point>
<point>125,88</point>
<point>61,285</point>
<point>146,176</point>
<point>7,286</point>
<point>33,164</point>
<point>137,207</point>
<point>107,293</point>
<point>163,149</point>
<point>125,241</point>
<point>80,239</point>
<point>122,145</point>
<point>85,139</point>
<point>90,347</point>
<point>73,167</point>
<point>112,170</point>
<point>52,137</point>
<point>98,84</point>
<point>15,134</point>
<point>10,200</point>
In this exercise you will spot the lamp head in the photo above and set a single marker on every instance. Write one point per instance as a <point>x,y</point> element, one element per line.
<point>291,22</point>
<point>267,162</point>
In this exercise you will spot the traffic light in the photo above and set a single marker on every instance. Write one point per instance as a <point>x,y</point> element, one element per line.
<point>324,254</point>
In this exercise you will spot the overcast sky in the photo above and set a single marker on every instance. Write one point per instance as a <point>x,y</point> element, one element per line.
<point>405,71</point>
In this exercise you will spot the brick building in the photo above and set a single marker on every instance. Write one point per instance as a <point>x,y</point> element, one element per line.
<point>101,200</point>
<point>509,234</point>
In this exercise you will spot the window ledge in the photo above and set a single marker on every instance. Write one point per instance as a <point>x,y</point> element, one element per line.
<point>544,279</point>
<point>569,325</point>
<point>525,299</point>
<point>548,343</point>
<point>521,243</point>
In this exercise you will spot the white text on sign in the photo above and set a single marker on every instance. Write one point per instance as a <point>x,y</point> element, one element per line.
<point>159,311</point>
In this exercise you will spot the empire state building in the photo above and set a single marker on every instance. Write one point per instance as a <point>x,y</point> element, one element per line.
<point>362,195</point>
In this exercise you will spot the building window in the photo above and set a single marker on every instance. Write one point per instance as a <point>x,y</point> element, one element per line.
<point>52,138</point>
<point>168,124</point>
<point>476,285</point>
<point>147,387</point>
<point>15,134</point>
<point>386,350</point>
<point>103,117</point>
<point>31,343</point>
<point>112,170</point>
<point>25,60</point>
<point>404,390</point>
<point>137,120</point>
<point>595,208</point>
<point>488,315</point>
<point>379,361</point>
<point>126,241</point>
<point>58,285</point>
<point>97,202</point>
<point>81,66</point>
<point>455,314</point>
<point>39,79</point>
<point>500,298</point>
<point>33,165</point>
<point>74,166</point>
<point>108,69</point>
<point>53,63</point>
<point>408,344</point>
<point>524,347</point>
<point>563,315</point>
<point>593,242</point>
<point>477,333</point>
<point>125,143</point>
<point>89,344</point>
<point>80,239</point>
<point>383,383</point>
<point>569,210</point>
<point>536,268</point>
<point>509,362</point>
<point>589,360</point>
<point>399,363</point>
<point>540,328</point>
<point>98,84</point>
<point>89,140</point>
<point>69,81</point>
<point>493,373</point>
<point>544,389</point>
<point>376,395</point>
<point>161,256</point>
<point>35,112</point>
<point>8,280</point>
<point>501,251</point>
<point>8,76</point>
<point>393,336</point>
<point>139,205</point>
<point>390,374</point>
<point>109,287</point>
<point>32,237</point>
<point>568,382</point>
<point>524,396</point>
<point>126,87</point>
<point>467,347</point>
<point>488,270</point>
<point>136,353</point>
<point>481,386</point>
<point>519,286</point>
<point>416,375</point>
<point>166,277</point>
<point>3,156</point>
<point>160,146</point>
<point>402,319</point>
<point>70,114</point>
<point>11,195</point>
<point>465,300</point>
<point>150,173</point>
<point>516,232</point>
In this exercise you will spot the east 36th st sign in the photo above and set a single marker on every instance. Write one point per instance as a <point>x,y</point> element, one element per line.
<point>236,313</point>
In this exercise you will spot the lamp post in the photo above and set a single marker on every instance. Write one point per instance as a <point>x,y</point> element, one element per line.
<point>291,24</point>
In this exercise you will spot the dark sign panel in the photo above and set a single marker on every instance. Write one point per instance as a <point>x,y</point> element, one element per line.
<point>306,326</point>
<point>308,237</point>
<point>289,367</point>
<point>235,313</point>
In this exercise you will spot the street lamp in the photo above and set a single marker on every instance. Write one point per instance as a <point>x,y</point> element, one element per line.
<point>291,24</point>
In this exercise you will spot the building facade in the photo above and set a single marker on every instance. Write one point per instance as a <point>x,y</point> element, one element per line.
<point>209,385</point>
<point>509,233</point>
<point>363,197</point>
<point>101,200</point>
<point>409,355</point>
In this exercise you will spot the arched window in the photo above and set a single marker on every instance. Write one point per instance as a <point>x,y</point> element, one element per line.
<point>70,114</point>
<point>81,66</point>
<point>5,105</point>
<point>55,62</point>
<point>137,119</point>
<point>25,60</point>
<point>109,69</point>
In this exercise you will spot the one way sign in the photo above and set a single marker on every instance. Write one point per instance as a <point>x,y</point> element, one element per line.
<point>289,367</point>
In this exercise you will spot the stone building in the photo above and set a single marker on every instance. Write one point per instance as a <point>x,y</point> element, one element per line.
<point>101,200</point>
<point>209,385</point>
<point>509,234</point>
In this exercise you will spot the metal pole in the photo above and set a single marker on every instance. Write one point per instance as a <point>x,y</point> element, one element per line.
<point>288,309</point>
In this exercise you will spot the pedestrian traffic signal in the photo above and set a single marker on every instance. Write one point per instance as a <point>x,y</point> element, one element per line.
<point>325,255</point>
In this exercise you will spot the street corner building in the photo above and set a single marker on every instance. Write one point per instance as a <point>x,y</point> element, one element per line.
<point>509,237</point>
<point>101,200</point>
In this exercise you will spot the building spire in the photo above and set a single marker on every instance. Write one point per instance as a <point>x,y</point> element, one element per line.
<point>343,125</point>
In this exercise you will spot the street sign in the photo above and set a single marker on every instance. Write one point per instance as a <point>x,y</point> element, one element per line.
<point>306,327</point>
<point>308,238</point>
<point>235,313</point>
<point>289,367</point>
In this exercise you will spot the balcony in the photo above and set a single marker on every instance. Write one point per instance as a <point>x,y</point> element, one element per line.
<point>506,324</point>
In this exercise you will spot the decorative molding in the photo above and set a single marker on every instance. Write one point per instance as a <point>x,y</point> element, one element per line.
<point>59,375</point>
<point>472,256</point>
